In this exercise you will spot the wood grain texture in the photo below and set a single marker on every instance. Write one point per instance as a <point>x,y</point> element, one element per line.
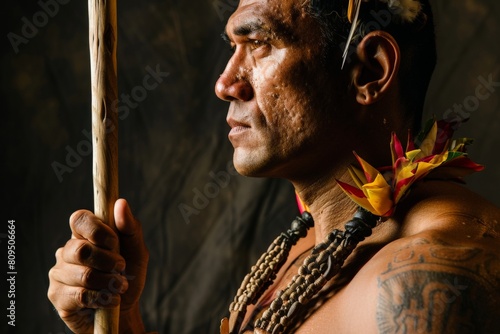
<point>103,66</point>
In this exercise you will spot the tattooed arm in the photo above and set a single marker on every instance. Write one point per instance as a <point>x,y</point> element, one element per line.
<point>430,286</point>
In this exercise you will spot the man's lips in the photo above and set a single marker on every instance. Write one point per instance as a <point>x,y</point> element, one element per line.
<point>236,127</point>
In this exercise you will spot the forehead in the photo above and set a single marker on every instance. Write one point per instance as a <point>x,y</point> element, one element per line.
<point>269,4</point>
<point>279,16</point>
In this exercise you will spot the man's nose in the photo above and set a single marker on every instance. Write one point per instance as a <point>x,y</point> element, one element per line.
<point>232,87</point>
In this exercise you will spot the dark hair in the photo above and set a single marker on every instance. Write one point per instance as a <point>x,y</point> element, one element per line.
<point>416,41</point>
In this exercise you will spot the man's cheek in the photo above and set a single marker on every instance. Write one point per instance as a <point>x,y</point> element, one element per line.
<point>270,68</point>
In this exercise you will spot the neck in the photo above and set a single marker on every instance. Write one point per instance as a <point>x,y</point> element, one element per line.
<point>328,204</point>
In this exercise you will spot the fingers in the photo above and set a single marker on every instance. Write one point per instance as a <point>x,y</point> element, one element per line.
<point>72,298</point>
<point>88,278</point>
<point>84,253</point>
<point>85,225</point>
<point>76,305</point>
<point>76,290</point>
<point>86,287</point>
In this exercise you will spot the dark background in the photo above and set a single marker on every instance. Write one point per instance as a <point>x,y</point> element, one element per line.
<point>172,142</point>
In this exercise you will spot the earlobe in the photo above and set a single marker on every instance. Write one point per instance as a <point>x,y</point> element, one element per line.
<point>378,66</point>
<point>366,96</point>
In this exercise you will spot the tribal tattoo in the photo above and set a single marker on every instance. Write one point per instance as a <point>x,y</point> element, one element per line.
<point>432,287</point>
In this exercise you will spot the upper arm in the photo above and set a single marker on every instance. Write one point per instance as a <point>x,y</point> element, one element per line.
<point>428,286</point>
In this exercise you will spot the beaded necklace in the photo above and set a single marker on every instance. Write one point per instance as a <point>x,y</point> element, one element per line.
<point>318,268</point>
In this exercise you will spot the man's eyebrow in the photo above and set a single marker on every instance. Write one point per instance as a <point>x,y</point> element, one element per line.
<point>248,28</point>
<point>244,30</point>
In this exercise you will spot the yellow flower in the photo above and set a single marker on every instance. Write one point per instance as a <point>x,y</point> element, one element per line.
<point>380,195</point>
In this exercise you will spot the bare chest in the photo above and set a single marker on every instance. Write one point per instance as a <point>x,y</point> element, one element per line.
<point>342,307</point>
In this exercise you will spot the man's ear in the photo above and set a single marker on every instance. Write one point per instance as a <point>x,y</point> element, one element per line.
<point>377,67</point>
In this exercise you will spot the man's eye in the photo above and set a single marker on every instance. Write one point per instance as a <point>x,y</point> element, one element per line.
<point>259,48</point>
<point>255,44</point>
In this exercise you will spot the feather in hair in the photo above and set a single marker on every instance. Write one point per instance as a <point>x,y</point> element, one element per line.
<point>354,6</point>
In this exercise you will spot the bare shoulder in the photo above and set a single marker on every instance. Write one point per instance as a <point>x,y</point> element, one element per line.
<point>443,274</point>
<point>448,207</point>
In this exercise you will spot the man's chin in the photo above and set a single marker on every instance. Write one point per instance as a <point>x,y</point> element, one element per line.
<point>251,165</point>
<point>246,170</point>
<point>247,164</point>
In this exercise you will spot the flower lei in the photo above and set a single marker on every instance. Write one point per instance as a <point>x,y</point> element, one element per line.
<point>380,190</point>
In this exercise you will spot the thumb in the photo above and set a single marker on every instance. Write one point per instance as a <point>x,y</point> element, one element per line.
<point>124,219</point>
<point>129,228</point>
<point>134,251</point>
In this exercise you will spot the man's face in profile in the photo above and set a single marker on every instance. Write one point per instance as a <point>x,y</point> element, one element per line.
<point>281,112</point>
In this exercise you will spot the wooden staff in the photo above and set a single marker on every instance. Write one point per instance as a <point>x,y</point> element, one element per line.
<point>102,41</point>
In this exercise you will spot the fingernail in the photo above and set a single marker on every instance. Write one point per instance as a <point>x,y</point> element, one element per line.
<point>120,266</point>
<point>124,286</point>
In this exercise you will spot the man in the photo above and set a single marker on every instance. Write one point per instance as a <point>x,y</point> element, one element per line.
<point>431,267</point>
